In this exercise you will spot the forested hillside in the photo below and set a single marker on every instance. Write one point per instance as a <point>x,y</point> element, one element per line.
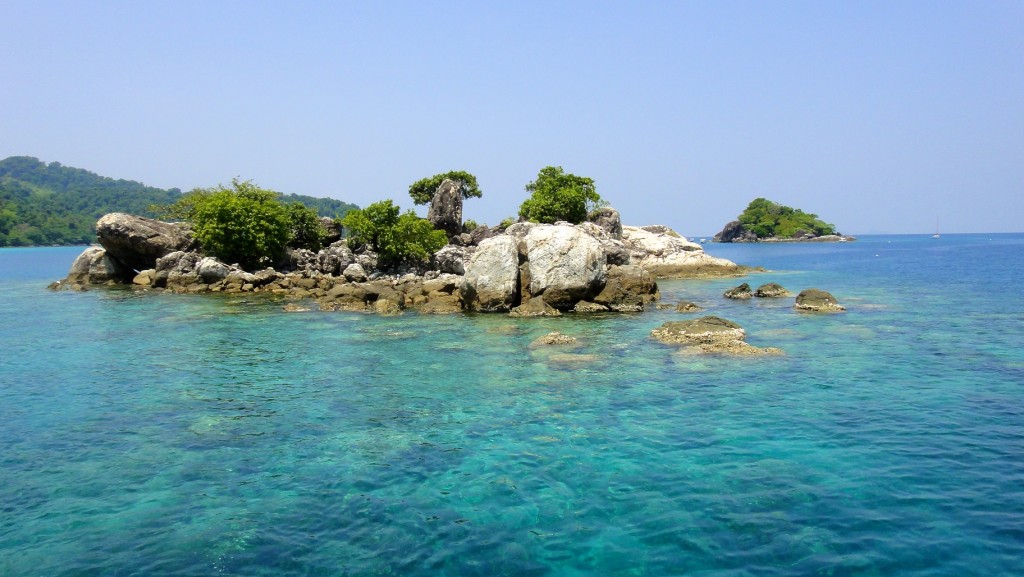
<point>52,204</point>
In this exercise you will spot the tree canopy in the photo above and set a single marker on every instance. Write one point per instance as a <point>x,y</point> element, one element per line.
<point>557,195</point>
<point>53,204</point>
<point>422,191</point>
<point>246,224</point>
<point>394,235</point>
<point>767,219</point>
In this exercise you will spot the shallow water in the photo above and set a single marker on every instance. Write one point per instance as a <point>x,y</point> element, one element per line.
<point>198,435</point>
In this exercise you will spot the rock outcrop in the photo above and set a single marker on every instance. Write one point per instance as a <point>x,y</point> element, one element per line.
<point>710,334</point>
<point>665,254</point>
<point>491,283</point>
<point>94,266</point>
<point>526,269</point>
<point>445,211</point>
<point>770,290</point>
<point>819,301</point>
<point>136,242</point>
<point>741,292</point>
<point>563,264</point>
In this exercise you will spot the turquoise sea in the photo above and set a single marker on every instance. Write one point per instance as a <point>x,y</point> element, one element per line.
<point>158,434</point>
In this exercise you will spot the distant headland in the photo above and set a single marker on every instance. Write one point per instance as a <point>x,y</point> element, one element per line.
<point>767,221</point>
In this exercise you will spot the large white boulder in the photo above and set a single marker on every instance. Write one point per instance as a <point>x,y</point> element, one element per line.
<point>665,254</point>
<point>491,283</point>
<point>565,263</point>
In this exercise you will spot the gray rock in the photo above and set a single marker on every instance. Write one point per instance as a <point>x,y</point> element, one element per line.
<point>480,234</point>
<point>137,242</point>
<point>354,273</point>
<point>566,265</point>
<point>688,307</point>
<point>451,259</point>
<point>815,300</point>
<point>741,292</point>
<point>333,230</point>
<point>627,289</point>
<point>334,259</point>
<point>491,283</point>
<point>535,307</point>
<point>445,211</point>
<point>94,266</point>
<point>770,290</point>
<point>608,219</point>
<point>709,329</point>
<point>665,254</point>
<point>211,270</point>
<point>735,232</point>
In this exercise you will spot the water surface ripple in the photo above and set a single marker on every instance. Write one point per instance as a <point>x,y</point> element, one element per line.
<point>189,435</point>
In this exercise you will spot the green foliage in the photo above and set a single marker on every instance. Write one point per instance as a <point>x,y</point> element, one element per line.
<point>769,219</point>
<point>422,191</point>
<point>394,235</point>
<point>243,224</point>
<point>469,225</point>
<point>507,222</point>
<point>51,204</point>
<point>557,195</point>
<point>328,207</point>
<point>306,230</point>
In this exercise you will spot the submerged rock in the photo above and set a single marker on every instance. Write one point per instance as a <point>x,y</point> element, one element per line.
<point>688,307</point>
<point>771,290</point>
<point>709,334</point>
<point>741,292</point>
<point>815,300</point>
<point>554,338</point>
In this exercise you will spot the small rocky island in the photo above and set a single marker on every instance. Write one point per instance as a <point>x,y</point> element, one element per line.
<point>522,269</point>
<point>767,221</point>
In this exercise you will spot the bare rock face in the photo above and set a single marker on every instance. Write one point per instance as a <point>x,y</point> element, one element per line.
<point>137,242</point>
<point>710,334</point>
<point>94,266</point>
<point>665,254</point>
<point>566,265</point>
<point>451,259</point>
<point>815,300</point>
<point>741,292</point>
<point>771,290</point>
<point>735,232</point>
<point>491,283</point>
<point>446,208</point>
<point>609,219</point>
<point>628,288</point>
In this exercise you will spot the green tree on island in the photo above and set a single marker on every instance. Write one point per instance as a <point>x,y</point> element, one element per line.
<point>767,219</point>
<point>394,235</point>
<point>246,224</point>
<point>557,195</point>
<point>422,191</point>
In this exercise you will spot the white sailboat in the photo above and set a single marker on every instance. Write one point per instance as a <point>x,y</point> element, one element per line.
<point>936,235</point>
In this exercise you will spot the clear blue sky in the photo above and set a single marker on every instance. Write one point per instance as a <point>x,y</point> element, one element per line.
<point>877,116</point>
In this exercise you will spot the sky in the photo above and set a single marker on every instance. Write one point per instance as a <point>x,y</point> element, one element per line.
<point>879,117</point>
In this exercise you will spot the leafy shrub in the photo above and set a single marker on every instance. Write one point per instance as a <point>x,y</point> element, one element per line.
<point>394,235</point>
<point>422,191</point>
<point>557,195</point>
<point>246,224</point>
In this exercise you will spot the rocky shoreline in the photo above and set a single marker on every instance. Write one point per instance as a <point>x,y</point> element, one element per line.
<point>527,269</point>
